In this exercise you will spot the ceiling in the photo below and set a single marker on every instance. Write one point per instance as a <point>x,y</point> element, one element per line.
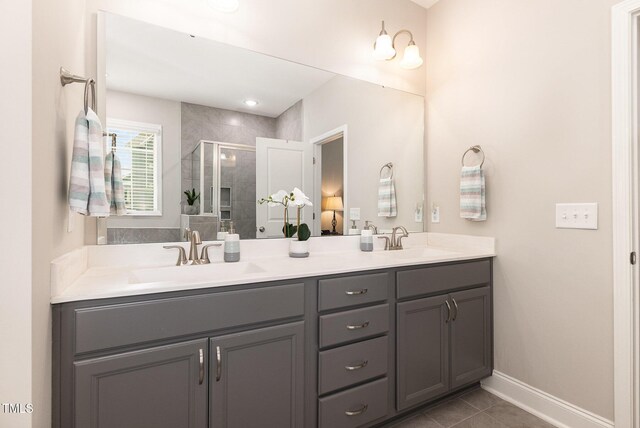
<point>153,61</point>
<point>425,3</point>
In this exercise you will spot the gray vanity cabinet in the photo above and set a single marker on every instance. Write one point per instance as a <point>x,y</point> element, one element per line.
<point>257,378</point>
<point>443,342</point>
<point>470,336</point>
<point>160,387</point>
<point>422,350</point>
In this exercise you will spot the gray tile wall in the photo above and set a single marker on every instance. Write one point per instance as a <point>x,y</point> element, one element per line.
<point>121,235</point>
<point>289,124</point>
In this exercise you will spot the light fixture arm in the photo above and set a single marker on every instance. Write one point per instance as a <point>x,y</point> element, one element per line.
<point>393,42</point>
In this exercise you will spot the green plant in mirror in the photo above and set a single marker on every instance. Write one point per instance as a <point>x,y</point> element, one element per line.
<point>192,196</point>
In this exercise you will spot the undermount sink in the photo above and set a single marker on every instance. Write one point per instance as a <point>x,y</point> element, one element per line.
<point>193,274</point>
<point>411,253</point>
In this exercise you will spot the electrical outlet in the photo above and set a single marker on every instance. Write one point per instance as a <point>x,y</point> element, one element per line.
<point>577,216</point>
<point>435,214</point>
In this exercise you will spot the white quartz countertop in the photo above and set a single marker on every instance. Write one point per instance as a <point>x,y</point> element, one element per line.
<point>100,272</point>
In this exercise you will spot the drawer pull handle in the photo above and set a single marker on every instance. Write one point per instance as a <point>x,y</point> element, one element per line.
<point>455,305</point>
<point>356,292</point>
<point>360,411</point>
<point>358,326</point>
<point>218,364</point>
<point>446,302</point>
<point>201,374</point>
<point>362,365</point>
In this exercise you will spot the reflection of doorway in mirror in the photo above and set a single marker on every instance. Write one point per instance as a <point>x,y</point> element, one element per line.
<point>330,183</point>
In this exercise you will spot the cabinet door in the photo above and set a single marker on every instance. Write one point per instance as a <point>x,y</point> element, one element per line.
<point>422,350</point>
<point>162,387</point>
<point>257,378</point>
<point>470,336</point>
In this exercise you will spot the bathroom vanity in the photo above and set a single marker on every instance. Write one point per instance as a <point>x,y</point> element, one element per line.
<point>351,349</point>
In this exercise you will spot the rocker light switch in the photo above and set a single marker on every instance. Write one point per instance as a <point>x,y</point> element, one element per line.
<point>577,216</point>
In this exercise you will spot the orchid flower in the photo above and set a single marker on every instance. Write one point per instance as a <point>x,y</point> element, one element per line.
<point>299,199</point>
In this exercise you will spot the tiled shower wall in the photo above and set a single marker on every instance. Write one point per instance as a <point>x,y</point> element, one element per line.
<point>226,126</point>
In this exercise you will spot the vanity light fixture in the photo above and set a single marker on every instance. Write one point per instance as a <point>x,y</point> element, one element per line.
<point>384,49</point>
<point>251,103</point>
<point>226,6</point>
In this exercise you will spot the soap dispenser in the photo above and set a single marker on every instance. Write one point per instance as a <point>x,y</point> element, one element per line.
<point>366,239</point>
<point>354,229</point>
<point>222,234</point>
<point>232,245</point>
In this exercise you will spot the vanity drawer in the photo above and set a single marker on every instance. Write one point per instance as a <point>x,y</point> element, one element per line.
<point>351,364</point>
<point>113,326</point>
<point>355,407</point>
<point>355,324</point>
<point>352,290</point>
<point>429,280</point>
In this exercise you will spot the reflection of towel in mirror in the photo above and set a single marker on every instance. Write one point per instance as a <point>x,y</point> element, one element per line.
<point>387,198</point>
<point>472,194</point>
<point>113,184</point>
<point>86,184</point>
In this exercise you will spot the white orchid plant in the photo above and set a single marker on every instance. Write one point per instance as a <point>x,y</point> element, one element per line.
<point>294,198</point>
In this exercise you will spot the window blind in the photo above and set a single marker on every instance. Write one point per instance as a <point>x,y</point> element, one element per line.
<point>137,147</point>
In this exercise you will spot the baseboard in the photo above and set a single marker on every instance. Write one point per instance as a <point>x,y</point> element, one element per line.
<point>545,406</point>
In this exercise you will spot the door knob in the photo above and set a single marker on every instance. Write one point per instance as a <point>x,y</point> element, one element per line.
<point>261,229</point>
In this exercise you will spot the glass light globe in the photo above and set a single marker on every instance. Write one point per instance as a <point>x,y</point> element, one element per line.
<point>383,48</point>
<point>411,58</point>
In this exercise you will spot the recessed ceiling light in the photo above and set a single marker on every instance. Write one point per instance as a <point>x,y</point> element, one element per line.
<point>227,6</point>
<point>251,103</point>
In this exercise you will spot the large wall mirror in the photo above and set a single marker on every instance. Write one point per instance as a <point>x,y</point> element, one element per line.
<point>205,129</point>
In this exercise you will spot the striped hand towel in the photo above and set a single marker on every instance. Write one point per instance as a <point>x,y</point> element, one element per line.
<point>113,184</point>
<point>472,194</point>
<point>86,185</point>
<point>387,198</point>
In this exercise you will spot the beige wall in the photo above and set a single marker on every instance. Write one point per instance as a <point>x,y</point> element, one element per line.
<point>15,182</point>
<point>384,125</point>
<point>332,160</point>
<point>155,111</point>
<point>530,82</point>
<point>59,38</point>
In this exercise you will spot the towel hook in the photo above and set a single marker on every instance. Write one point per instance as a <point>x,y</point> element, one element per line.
<point>89,85</point>
<point>474,149</point>
<point>387,165</point>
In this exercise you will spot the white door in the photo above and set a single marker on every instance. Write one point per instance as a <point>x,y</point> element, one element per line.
<point>281,165</point>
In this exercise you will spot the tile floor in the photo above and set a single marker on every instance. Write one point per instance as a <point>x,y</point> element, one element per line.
<point>475,409</point>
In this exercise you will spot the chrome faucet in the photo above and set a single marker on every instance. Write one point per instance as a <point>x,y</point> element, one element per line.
<point>395,243</point>
<point>194,239</point>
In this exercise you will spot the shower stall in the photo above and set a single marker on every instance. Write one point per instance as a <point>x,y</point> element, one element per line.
<point>224,175</point>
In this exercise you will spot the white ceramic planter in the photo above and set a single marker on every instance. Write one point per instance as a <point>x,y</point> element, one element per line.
<point>298,249</point>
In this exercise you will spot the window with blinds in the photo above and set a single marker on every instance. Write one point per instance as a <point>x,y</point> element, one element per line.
<point>139,150</point>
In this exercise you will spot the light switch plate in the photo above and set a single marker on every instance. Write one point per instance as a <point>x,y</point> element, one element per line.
<point>354,213</point>
<point>577,216</point>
